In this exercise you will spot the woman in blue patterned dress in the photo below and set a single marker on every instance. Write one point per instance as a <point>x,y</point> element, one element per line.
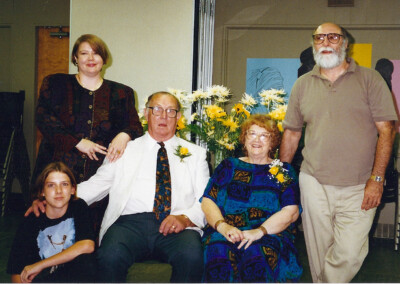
<point>250,204</point>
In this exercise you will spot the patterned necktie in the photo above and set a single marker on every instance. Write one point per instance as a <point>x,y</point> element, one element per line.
<point>162,198</point>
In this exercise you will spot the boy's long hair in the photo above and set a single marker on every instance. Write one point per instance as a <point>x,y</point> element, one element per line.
<point>53,167</point>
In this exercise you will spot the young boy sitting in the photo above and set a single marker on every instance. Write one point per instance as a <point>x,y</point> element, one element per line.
<point>58,245</point>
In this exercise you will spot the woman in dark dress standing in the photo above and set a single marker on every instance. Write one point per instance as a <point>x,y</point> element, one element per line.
<point>84,118</point>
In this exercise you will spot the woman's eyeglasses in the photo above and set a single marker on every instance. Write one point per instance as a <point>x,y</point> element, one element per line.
<point>251,135</point>
<point>332,38</point>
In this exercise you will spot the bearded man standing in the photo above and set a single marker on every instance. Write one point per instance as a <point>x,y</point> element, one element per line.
<point>349,116</point>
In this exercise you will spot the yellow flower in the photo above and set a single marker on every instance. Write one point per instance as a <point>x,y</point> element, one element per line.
<point>183,151</point>
<point>281,174</point>
<point>225,143</point>
<point>231,124</point>
<point>230,146</point>
<point>278,113</point>
<point>273,170</point>
<point>280,177</point>
<point>181,123</point>
<point>239,108</point>
<point>214,111</point>
<point>280,127</point>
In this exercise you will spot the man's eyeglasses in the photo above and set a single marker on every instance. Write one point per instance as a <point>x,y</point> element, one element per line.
<point>158,111</point>
<point>251,135</point>
<point>332,38</point>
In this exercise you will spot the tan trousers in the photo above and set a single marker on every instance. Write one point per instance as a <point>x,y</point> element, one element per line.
<point>335,229</point>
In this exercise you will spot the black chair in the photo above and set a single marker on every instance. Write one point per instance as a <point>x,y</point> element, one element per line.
<point>391,194</point>
<point>14,159</point>
<point>391,190</point>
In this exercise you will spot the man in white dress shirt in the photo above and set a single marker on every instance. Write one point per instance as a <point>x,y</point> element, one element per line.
<point>130,230</point>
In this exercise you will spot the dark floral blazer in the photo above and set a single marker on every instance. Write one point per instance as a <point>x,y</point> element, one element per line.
<point>66,112</point>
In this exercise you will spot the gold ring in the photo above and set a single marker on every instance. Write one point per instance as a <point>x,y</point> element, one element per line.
<point>118,151</point>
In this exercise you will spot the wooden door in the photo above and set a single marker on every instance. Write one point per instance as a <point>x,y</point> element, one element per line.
<point>52,57</point>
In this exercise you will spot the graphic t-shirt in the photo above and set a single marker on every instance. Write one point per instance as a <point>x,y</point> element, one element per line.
<point>38,238</point>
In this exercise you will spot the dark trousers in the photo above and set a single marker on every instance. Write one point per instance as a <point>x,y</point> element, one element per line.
<point>82,269</point>
<point>135,237</point>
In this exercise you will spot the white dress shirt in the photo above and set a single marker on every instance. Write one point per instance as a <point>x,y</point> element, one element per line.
<point>131,180</point>
<point>144,187</point>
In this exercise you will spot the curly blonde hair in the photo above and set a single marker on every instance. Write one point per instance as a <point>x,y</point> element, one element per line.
<point>266,122</point>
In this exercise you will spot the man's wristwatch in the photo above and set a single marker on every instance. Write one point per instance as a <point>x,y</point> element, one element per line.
<point>376,178</point>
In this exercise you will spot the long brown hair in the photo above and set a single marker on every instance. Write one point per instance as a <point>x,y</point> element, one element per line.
<point>50,168</point>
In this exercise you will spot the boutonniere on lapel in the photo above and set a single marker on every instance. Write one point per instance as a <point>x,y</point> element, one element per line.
<point>182,152</point>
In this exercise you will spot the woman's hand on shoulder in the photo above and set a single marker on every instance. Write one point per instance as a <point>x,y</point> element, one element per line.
<point>250,236</point>
<point>232,234</point>
<point>117,146</point>
<point>90,149</point>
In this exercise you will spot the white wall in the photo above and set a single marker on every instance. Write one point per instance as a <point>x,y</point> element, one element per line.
<point>151,41</point>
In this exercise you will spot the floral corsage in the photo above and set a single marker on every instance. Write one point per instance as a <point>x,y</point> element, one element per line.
<point>182,152</point>
<point>279,172</point>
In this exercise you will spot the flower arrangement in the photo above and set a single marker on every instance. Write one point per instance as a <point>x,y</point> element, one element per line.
<point>216,127</point>
<point>279,173</point>
<point>182,152</point>
<point>274,101</point>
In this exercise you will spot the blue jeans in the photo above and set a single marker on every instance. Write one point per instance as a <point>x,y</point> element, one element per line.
<point>135,237</point>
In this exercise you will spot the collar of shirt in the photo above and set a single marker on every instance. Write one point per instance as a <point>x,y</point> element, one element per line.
<point>153,144</point>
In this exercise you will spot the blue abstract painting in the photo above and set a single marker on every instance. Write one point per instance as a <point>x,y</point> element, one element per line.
<point>270,73</point>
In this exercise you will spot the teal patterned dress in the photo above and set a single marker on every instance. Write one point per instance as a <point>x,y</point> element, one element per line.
<point>247,195</point>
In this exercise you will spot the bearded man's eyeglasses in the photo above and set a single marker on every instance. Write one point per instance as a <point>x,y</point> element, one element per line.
<point>332,38</point>
<point>158,111</point>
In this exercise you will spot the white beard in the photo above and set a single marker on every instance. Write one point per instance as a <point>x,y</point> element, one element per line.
<point>332,60</point>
